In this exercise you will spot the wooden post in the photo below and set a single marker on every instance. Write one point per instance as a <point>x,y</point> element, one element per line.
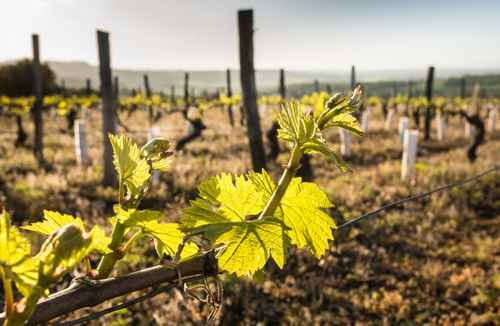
<point>247,76</point>
<point>146,86</point>
<point>408,96</point>
<point>108,107</point>
<point>82,153</point>
<point>409,154</point>
<point>403,125</point>
<point>89,89</point>
<point>441,128</point>
<point>282,85</point>
<point>353,79</point>
<point>462,88</point>
<point>63,88</point>
<point>116,88</point>
<point>475,97</point>
<point>186,93</point>
<point>38,92</point>
<point>428,94</point>
<point>229,95</point>
<point>345,142</point>
<point>328,89</point>
<point>148,95</point>
<point>172,94</point>
<point>316,86</point>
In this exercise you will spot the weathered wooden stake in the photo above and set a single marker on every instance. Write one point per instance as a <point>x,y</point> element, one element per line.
<point>475,97</point>
<point>116,88</point>
<point>353,79</point>
<point>316,86</point>
<point>108,107</point>
<point>82,153</point>
<point>247,76</point>
<point>282,85</point>
<point>403,125</point>
<point>229,95</point>
<point>408,96</point>
<point>63,88</point>
<point>89,89</point>
<point>409,154</point>
<point>186,90</point>
<point>345,142</point>
<point>38,92</point>
<point>462,88</point>
<point>428,94</point>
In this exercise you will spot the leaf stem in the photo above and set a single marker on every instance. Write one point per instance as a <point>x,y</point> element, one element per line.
<point>290,170</point>
<point>9,296</point>
<point>88,267</point>
<point>108,262</point>
<point>131,241</point>
<point>23,309</point>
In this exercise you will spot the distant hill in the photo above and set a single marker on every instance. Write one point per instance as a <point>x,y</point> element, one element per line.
<point>375,82</point>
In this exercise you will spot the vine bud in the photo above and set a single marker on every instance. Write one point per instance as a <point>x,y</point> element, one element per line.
<point>120,252</point>
<point>333,101</point>
<point>94,274</point>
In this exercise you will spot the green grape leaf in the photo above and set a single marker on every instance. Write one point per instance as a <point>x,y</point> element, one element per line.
<point>133,169</point>
<point>238,201</point>
<point>319,145</point>
<point>347,122</point>
<point>295,126</point>
<point>306,134</point>
<point>102,246</point>
<point>247,245</point>
<point>52,222</point>
<point>157,150</point>
<point>161,164</point>
<point>62,250</point>
<point>24,285</point>
<point>259,277</point>
<point>167,235</point>
<point>299,210</point>
<point>56,220</point>
<point>16,262</point>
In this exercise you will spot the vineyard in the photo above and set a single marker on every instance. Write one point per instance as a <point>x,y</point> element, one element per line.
<point>431,261</point>
<point>251,208</point>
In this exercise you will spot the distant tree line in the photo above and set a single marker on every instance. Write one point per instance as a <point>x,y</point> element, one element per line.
<point>16,79</point>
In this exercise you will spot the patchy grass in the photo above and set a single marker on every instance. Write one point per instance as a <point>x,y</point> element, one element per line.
<point>434,261</point>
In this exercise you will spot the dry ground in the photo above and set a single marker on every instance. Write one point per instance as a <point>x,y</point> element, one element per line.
<point>433,261</point>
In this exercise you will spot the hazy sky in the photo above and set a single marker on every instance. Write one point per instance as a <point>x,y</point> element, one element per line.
<point>290,34</point>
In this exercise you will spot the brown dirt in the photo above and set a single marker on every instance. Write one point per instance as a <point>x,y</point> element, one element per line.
<point>433,261</point>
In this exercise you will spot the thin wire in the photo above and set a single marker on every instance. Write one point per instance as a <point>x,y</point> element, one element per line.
<point>342,226</point>
<point>131,302</point>
<point>345,225</point>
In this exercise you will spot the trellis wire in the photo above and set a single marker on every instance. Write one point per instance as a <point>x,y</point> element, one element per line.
<point>342,226</point>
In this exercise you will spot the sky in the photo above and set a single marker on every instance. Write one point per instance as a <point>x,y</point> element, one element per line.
<point>290,34</point>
